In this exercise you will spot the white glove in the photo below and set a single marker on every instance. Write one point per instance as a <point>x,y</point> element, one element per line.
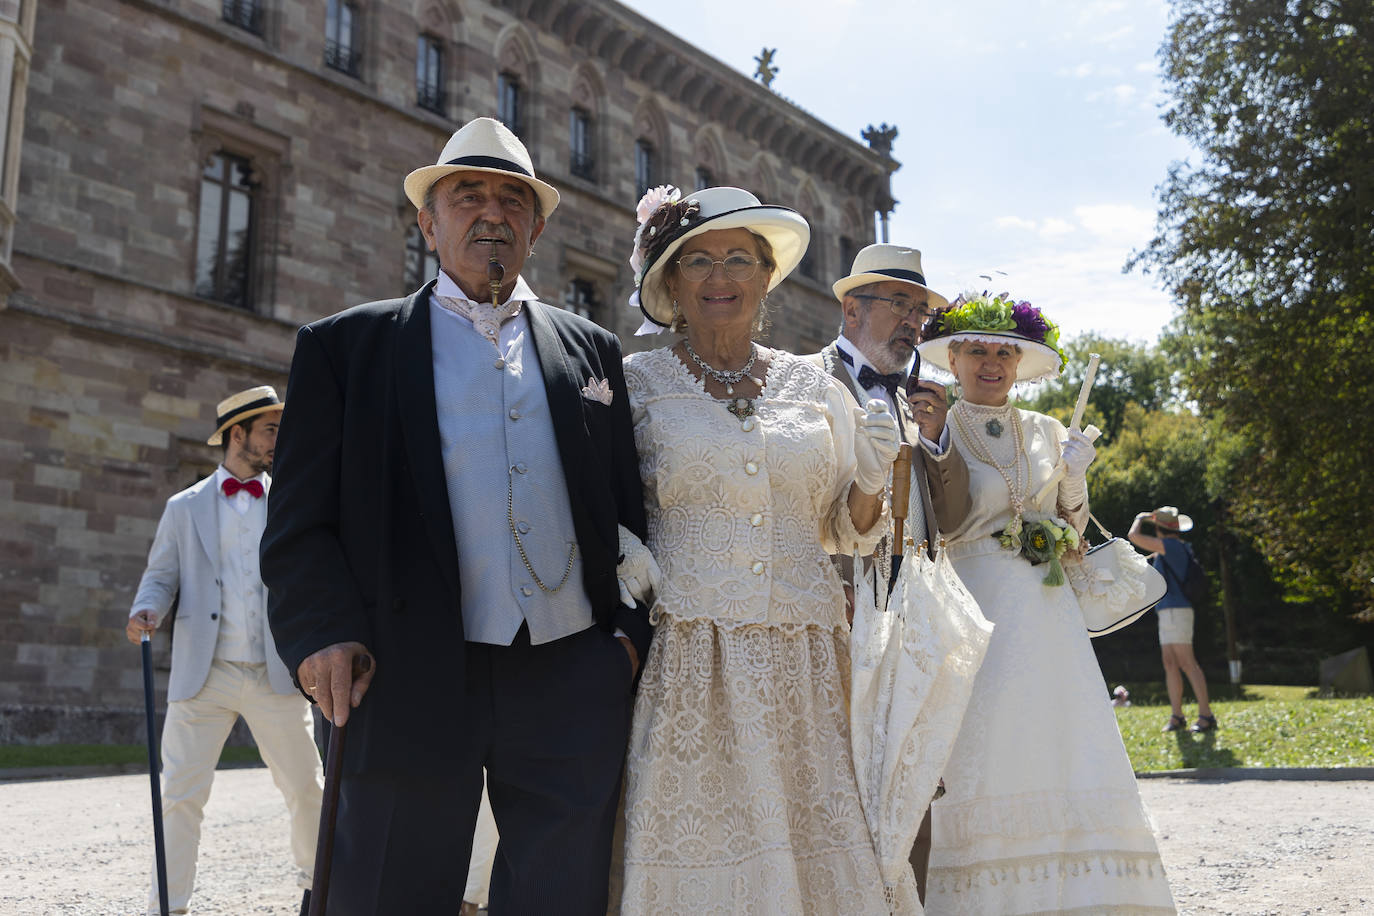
<point>637,572</point>
<point>1079,452</point>
<point>876,442</point>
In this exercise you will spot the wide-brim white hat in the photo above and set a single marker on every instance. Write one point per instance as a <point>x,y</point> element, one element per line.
<point>241,406</point>
<point>481,145</point>
<point>720,208</point>
<point>882,262</point>
<point>1170,519</point>
<point>1038,361</point>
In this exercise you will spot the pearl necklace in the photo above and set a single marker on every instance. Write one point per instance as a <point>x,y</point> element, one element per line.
<point>1018,484</point>
<point>728,379</point>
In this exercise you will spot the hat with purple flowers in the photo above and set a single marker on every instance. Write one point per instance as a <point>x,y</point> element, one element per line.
<point>996,320</point>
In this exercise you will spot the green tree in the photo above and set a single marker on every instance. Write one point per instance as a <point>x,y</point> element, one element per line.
<point>1267,244</point>
<point>1128,373</point>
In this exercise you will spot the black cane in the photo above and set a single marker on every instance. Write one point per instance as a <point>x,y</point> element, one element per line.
<point>329,807</point>
<point>154,779</point>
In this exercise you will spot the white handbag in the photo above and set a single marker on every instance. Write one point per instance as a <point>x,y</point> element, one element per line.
<point>1114,584</point>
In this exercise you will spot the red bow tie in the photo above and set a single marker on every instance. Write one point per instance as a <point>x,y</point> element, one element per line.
<point>232,486</point>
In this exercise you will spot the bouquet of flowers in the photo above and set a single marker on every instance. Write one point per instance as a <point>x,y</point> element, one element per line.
<point>1043,541</point>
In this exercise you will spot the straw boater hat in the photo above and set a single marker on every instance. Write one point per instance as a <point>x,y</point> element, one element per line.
<point>679,218</point>
<point>481,145</point>
<point>996,320</point>
<point>241,406</point>
<point>880,263</point>
<point>1168,518</point>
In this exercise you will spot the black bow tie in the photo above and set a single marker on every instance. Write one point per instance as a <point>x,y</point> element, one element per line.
<point>870,379</point>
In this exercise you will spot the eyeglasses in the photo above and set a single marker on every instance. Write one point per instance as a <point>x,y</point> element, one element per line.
<point>900,307</point>
<point>697,267</point>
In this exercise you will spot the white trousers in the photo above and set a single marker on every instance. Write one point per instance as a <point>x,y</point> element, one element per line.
<point>193,736</point>
<point>484,840</point>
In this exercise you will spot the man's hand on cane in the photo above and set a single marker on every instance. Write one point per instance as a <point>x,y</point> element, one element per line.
<point>329,677</point>
<point>140,623</point>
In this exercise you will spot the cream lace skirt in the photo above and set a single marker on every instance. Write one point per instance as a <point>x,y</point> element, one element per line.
<point>1042,814</point>
<point>741,796</point>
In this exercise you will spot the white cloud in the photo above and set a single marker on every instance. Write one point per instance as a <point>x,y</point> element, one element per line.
<point>1054,227</point>
<point>1124,224</point>
<point>1120,94</point>
<point>1014,222</point>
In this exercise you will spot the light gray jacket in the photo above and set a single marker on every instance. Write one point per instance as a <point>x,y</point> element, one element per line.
<point>184,560</point>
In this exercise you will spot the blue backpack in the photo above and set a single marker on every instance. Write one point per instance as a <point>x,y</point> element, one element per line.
<point>1195,585</point>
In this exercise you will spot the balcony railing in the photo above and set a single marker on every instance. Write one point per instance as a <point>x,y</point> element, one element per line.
<point>341,58</point>
<point>582,166</point>
<point>430,97</point>
<point>246,14</point>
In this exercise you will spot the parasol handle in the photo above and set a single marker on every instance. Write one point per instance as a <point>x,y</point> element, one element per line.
<point>901,494</point>
<point>1088,378</point>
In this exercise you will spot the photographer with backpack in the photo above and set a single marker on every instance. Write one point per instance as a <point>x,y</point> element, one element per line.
<point>1187,586</point>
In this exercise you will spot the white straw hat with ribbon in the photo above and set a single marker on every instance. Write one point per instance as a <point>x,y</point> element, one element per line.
<point>481,145</point>
<point>241,406</point>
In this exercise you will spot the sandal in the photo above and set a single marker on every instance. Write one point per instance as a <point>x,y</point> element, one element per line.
<point>1176,724</point>
<point>1205,724</point>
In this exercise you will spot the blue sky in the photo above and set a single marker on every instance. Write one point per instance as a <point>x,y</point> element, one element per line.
<point>1029,133</point>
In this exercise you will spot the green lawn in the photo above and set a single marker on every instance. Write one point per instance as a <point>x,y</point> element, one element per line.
<point>55,755</point>
<point>1260,727</point>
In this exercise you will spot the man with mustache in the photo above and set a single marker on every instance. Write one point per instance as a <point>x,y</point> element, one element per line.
<point>883,303</point>
<point>458,501</point>
<point>224,664</point>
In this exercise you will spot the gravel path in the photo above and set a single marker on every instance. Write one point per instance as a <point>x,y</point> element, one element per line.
<point>1245,846</point>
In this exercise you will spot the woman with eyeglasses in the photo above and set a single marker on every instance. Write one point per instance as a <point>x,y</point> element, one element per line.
<point>757,466</point>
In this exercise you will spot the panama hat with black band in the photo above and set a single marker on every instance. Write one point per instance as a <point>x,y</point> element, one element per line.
<point>883,262</point>
<point>482,145</point>
<point>239,407</point>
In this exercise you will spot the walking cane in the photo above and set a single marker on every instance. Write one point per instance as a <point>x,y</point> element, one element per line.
<point>154,778</point>
<point>329,806</point>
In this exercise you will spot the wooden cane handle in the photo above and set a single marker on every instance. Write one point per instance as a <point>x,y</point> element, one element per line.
<point>901,495</point>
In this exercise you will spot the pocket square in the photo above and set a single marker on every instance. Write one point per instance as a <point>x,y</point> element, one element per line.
<point>597,390</point>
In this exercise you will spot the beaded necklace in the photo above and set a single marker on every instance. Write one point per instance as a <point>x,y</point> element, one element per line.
<point>728,379</point>
<point>1018,484</point>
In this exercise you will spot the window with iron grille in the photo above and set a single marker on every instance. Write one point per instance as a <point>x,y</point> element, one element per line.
<point>224,243</point>
<point>580,145</point>
<point>847,252</point>
<point>644,166</point>
<point>703,178</point>
<point>422,265</point>
<point>429,74</point>
<point>246,14</point>
<point>810,262</point>
<point>580,298</point>
<point>508,102</point>
<point>340,37</point>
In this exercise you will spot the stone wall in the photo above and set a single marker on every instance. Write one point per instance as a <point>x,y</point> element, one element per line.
<point>110,365</point>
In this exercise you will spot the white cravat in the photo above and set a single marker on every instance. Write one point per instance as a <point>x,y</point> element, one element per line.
<point>485,317</point>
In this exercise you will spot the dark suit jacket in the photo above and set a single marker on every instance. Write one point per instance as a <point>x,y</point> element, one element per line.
<point>359,543</point>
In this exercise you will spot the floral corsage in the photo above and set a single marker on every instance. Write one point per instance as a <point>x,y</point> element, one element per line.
<point>1044,541</point>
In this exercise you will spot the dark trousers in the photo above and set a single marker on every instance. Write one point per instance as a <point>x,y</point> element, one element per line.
<point>550,724</point>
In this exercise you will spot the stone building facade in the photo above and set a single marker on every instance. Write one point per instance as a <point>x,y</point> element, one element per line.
<point>185,182</point>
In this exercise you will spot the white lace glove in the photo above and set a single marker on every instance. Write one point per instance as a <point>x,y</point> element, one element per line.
<point>637,571</point>
<point>1079,452</point>
<point>876,442</point>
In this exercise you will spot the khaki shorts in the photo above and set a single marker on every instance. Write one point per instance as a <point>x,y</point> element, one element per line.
<point>1175,625</point>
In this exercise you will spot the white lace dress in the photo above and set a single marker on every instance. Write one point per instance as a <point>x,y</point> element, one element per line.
<point>741,795</point>
<point>1041,813</point>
